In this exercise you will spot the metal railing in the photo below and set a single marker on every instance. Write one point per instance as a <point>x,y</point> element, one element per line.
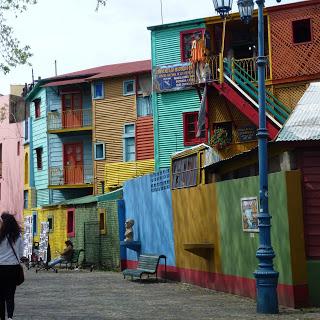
<point>71,119</point>
<point>213,62</point>
<point>70,175</point>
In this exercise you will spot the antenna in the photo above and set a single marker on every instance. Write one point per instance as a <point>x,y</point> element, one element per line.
<point>55,67</point>
<point>161,12</point>
<point>32,75</point>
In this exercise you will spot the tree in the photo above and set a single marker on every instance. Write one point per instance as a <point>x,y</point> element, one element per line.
<point>12,53</point>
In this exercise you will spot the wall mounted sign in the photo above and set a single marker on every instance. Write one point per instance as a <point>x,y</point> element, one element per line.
<point>249,212</point>
<point>28,237</point>
<point>248,133</point>
<point>173,77</point>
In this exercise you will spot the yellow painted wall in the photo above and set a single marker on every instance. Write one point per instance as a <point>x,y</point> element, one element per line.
<point>295,215</point>
<point>189,228</point>
<point>119,172</point>
<point>59,234</point>
<point>110,116</point>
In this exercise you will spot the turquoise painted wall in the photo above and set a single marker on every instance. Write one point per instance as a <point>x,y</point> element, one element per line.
<point>168,107</point>
<point>39,140</point>
<point>238,248</point>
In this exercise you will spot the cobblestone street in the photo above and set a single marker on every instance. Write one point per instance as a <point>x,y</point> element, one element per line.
<point>105,295</point>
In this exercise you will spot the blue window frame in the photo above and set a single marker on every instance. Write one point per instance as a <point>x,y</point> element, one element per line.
<point>25,199</point>
<point>34,223</point>
<point>129,87</point>
<point>99,151</point>
<point>129,147</point>
<point>98,90</point>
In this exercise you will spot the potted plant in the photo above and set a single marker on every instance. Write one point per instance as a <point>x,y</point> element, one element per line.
<point>219,139</point>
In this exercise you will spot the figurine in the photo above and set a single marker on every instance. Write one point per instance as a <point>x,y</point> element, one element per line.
<point>129,231</point>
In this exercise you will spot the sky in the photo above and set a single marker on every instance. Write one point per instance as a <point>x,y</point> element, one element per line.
<point>77,37</point>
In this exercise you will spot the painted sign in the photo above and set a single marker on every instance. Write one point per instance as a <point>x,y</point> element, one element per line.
<point>28,237</point>
<point>173,77</point>
<point>248,133</point>
<point>43,244</point>
<point>249,212</point>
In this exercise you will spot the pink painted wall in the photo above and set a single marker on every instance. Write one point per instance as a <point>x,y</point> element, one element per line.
<point>12,163</point>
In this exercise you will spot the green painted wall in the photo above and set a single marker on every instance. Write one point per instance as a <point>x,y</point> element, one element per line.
<point>238,248</point>
<point>313,268</point>
<point>104,248</point>
<point>168,107</point>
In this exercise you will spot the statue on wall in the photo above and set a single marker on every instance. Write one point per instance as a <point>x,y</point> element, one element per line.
<point>129,231</point>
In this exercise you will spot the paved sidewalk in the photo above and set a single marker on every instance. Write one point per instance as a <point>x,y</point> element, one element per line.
<point>105,295</point>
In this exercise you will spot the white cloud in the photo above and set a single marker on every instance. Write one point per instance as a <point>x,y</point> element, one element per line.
<point>71,32</point>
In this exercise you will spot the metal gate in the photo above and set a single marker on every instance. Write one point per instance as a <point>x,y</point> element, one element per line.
<point>92,244</point>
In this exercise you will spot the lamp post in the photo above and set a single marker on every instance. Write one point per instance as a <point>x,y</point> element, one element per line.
<point>266,276</point>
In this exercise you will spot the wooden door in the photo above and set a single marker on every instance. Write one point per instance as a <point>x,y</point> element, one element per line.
<point>73,163</point>
<point>71,110</point>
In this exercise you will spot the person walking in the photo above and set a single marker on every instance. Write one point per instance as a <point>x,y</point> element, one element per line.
<point>11,251</point>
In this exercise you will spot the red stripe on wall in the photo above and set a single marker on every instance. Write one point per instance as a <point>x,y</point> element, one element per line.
<point>294,296</point>
<point>144,138</point>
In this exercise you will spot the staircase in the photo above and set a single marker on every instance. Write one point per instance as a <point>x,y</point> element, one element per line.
<point>240,88</point>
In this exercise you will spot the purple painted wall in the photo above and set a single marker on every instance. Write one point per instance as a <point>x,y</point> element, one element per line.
<point>11,179</point>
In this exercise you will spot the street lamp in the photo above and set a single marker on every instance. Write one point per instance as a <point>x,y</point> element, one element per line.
<point>223,7</point>
<point>266,276</point>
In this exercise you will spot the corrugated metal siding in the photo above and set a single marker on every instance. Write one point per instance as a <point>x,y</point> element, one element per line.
<point>111,114</point>
<point>42,197</point>
<point>144,138</point>
<point>310,167</point>
<point>170,123</point>
<point>166,44</point>
<point>117,173</point>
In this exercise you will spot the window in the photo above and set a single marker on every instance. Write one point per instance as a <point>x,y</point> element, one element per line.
<point>39,152</point>
<point>99,151</point>
<point>35,223</point>
<point>185,172</point>
<point>190,128</point>
<point>25,199</point>
<point>129,147</point>
<point>129,87</point>
<point>144,106</point>
<point>186,39</point>
<point>50,222</point>
<point>37,110</point>
<point>26,168</point>
<point>102,186</point>
<point>18,148</point>
<point>70,223</point>
<point>98,90</point>
<point>301,30</point>
<point>102,220</point>
<point>26,130</point>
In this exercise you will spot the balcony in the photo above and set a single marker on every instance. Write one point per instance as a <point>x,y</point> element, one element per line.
<point>70,120</point>
<point>64,177</point>
<point>119,172</point>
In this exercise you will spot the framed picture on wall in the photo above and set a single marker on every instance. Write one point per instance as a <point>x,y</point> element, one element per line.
<point>249,213</point>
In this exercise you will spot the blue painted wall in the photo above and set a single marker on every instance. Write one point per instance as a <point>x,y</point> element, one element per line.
<point>39,140</point>
<point>148,201</point>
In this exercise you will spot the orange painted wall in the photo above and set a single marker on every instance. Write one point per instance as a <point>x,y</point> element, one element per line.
<point>196,223</point>
<point>144,138</point>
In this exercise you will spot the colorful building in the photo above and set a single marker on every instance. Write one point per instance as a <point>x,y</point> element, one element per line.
<point>12,114</point>
<point>187,57</point>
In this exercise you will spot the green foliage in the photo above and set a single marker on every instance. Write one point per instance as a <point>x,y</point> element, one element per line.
<point>219,139</point>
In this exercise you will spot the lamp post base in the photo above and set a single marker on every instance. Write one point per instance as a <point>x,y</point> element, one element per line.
<point>267,297</point>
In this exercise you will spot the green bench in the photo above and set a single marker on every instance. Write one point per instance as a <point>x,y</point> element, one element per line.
<point>147,265</point>
<point>73,261</point>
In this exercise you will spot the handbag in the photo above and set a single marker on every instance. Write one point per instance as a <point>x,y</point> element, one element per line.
<point>20,273</point>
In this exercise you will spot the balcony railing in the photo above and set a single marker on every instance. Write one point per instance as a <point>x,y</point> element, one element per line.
<point>71,175</point>
<point>71,119</point>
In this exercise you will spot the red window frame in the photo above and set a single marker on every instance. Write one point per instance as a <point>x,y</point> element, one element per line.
<point>182,42</point>
<point>39,152</point>
<point>71,222</point>
<point>37,109</point>
<point>187,123</point>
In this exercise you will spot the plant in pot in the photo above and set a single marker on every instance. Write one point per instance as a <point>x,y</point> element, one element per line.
<point>220,139</point>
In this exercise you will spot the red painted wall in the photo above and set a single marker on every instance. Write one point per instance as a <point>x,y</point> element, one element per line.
<point>290,60</point>
<point>144,138</point>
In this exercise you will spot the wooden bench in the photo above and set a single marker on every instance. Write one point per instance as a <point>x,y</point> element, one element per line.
<point>147,264</point>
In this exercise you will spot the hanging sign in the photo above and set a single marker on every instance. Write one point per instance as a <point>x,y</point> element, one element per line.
<point>173,77</point>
